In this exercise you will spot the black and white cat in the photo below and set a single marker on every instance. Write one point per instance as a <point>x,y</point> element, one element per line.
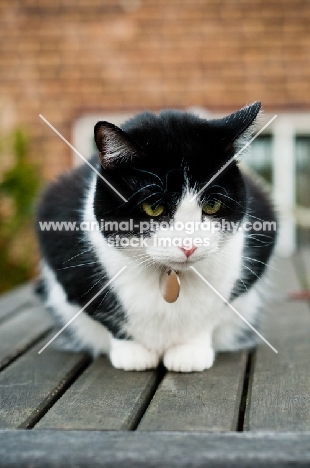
<point>159,164</point>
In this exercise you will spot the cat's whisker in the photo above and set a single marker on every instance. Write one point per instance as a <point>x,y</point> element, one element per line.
<point>230,198</point>
<point>259,235</point>
<point>95,284</point>
<point>224,268</point>
<point>81,253</point>
<point>143,188</point>
<point>254,236</point>
<point>149,172</point>
<point>215,261</point>
<point>263,263</point>
<point>220,186</point>
<point>145,263</point>
<point>79,265</point>
<point>103,298</point>
<point>248,268</point>
<point>141,201</point>
<point>265,244</point>
<point>254,217</point>
<point>138,272</point>
<point>83,238</point>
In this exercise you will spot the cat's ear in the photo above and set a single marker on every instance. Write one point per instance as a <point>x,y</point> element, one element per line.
<point>238,123</point>
<point>113,144</point>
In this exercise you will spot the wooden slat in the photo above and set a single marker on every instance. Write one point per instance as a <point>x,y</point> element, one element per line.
<point>206,401</point>
<point>30,385</point>
<point>103,398</point>
<point>21,331</point>
<point>13,300</point>
<point>279,397</point>
<point>96,449</point>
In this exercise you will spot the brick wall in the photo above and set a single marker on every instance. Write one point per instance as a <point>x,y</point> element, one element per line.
<point>65,58</point>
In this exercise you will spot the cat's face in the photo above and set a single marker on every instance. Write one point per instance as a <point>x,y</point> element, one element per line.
<point>160,164</point>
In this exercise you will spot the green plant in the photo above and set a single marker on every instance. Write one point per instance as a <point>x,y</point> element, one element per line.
<point>18,188</point>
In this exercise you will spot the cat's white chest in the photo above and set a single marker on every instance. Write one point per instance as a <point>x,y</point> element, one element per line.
<point>159,324</point>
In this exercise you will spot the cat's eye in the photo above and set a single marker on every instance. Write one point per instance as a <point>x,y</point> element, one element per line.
<point>152,211</point>
<point>212,207</point>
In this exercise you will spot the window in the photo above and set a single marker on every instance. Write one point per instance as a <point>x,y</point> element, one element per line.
<point>302,158</point>
<point>259,156</point>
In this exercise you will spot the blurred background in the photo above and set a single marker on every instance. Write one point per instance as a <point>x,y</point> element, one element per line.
<point>77,61</point>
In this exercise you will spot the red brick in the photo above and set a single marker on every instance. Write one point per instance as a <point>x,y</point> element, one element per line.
<point>90,56</point>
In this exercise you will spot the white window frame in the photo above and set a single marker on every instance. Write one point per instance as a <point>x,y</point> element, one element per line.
<point>284,130</point>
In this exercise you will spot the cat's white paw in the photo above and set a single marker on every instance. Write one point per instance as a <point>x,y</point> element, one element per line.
<point>129,355</point>
<point>188,358</point>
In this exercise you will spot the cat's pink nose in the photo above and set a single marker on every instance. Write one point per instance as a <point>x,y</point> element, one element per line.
<point>188,250</point>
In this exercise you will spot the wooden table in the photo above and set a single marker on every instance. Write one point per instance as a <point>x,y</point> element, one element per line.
<point>249,410</point>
